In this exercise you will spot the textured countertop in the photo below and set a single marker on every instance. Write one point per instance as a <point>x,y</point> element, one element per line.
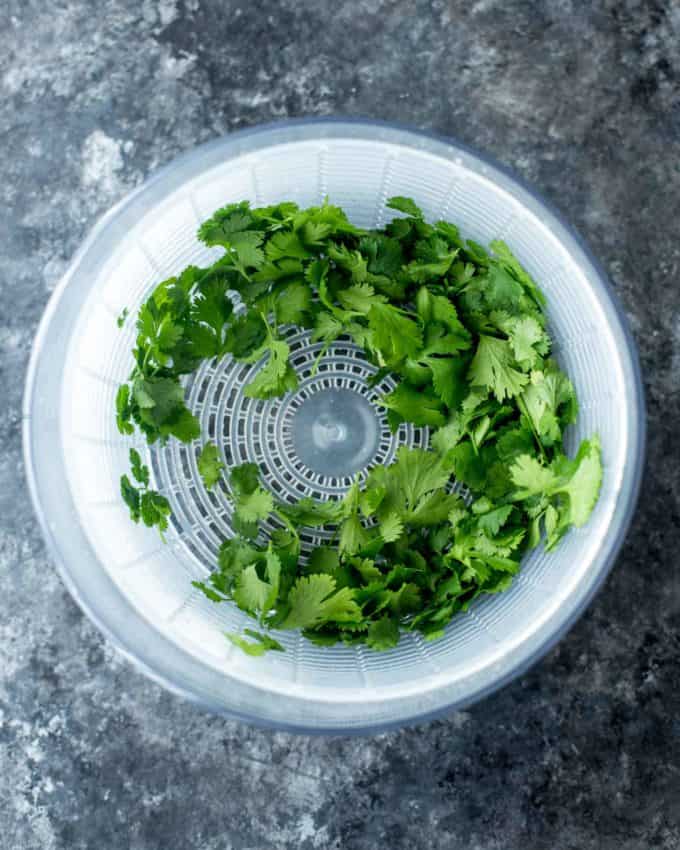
<point>582,99</point>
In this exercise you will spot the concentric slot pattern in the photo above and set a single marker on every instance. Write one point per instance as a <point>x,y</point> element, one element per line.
<point>359,175</point>
<point>256,431</point>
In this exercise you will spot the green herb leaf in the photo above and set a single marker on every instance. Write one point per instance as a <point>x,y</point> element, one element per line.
<point>210,466</point>
<point>405,205</point>
<point>495,368</point>
<point>313,601</point>
<point>394,334</point>
<point>256,647</point>
<point>383,634</point>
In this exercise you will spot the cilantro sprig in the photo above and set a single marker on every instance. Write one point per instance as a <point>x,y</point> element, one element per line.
<point>462,331</point>
<point>143,502</point>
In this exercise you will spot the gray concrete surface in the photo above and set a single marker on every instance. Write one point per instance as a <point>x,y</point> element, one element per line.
<point>583,99</point>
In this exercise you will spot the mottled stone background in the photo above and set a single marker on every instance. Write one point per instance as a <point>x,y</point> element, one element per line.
<point>582,98</point>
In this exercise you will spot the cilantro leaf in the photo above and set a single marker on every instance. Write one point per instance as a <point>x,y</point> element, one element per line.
<point>293,303</point>
<point>413,488</point>
<point>549,403</point>
<point>353,535</point>
<point>286,244</point>
<point>531,477</point>
<point>311,512</point>
<point>131,497</point>
<point>510,262</point>
<point>418,472</point>
<point>144,504</point>
<point>528,341</point>
<point>411,404</point>
<point>154,509</point>
<point>444,312</point>
<point>257,595</point>
<point>229,227</point>
<point>234,556</point>
<point>328,327</point>
<point>210,466</point>
<point>313,601</point>
<point>350,261</point>
<point>433,259</point>
<point>247,334</point>
<point>580,482</point>
<point>124,410</point>
<point>256,647</point>
<point>384,255</point>
<point>569,487</point>
<point>251,502</point>
<point>495,368</point>
<point>140,472</point>
<point>276,376</point>
<point>448,379</point>
<point>255,506</point>
<point>160,407</point>
<point>383,634</point>
<point>394,334</point>
<point>360,298</point>
<point>391,527</point>
<point>405,205</point>
<point>234,218</point>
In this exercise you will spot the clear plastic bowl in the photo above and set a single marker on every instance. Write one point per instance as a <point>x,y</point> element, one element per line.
<point>139,591</point>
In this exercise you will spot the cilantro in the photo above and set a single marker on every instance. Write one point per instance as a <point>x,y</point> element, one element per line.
<point>256,647</point>
<point>312,601</point>
<point>433,259</point>
<point>124,410</point>
<point>311,512</point>
<point>142,502</point>
<point>564,493</point>
<point>461,332</point>
<point>448,380</point>
<point>247,335</point>
<point>293,302</point>
<point>140,472</point>
<point>411,404</point>
<point>257,595</point>
<point>131,497</point>
<point>549,402</point>
<point>385,259</point>
<point>230,228</point>
<point>324,559</point>
<point>510,262</point>
<point>252,503</point>
<point>210,466</point>
<point>234,556</point>
<point>495,368</point>
<point>391,527</point>
<point>405,205</point>
<point>154,510</point>
<point>353,535</point>
<point>276,376</point>
<point>328,327</point>
<point>383,634</point>
<point>394,334</point>
<point>360,298</point>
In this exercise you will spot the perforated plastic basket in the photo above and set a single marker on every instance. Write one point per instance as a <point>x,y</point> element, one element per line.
<point>139,591</point>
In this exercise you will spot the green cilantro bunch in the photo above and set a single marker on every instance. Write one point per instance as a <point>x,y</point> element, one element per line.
<point>463,332</point>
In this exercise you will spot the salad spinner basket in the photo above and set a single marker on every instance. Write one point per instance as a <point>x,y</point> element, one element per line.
<point>138,590</point>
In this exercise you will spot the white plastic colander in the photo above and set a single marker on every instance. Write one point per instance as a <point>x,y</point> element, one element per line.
<point>139,591</point>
